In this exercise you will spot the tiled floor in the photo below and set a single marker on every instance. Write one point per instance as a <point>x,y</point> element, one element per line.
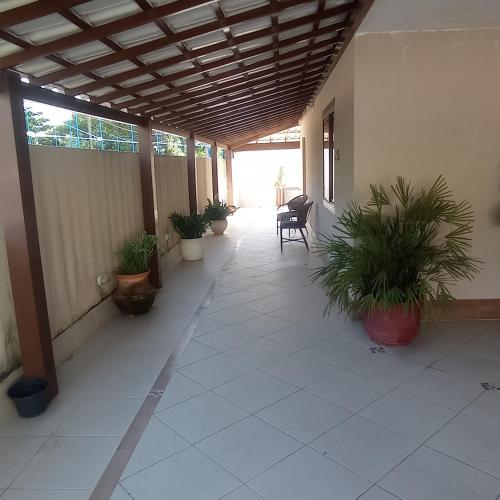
<point>270,400</point>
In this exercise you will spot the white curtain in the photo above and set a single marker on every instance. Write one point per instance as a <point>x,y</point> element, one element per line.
<point>203,181</point>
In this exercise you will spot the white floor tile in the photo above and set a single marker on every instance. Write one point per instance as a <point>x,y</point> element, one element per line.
<point>472,441</point>
<point>100,417</point>
<point>470,366</point>
<point>157,442</point>
<point>249,447</point>
<point>486,344</point>
<point>409,415</point>
<point>364,447</point>
<point>14,494</point>
<point>427,474</point>
<point>43,425</point>
<point>299,369</point>
<point>348,390</point>
<point>303,416</point>
<point>486,407</point>
<point>242,493</point>
<point>233,315</point>
<point>442,388</point>
<point>264,325</point>
<point>308,475</point>
<point>385,369</point>
<point>338,352</point>
<point>201,416</point>
<point>68,462</point>
<point>187,475</point>
<point>376,493</point>
<point>260,352</point>
<point>179,389</point>
<point>195,351</point>
<point>16,453</point>
<point>215,370</point>
<point>299,336</point>
<point>207,325</point>
<point>255,390</point>
<point>227,338</point>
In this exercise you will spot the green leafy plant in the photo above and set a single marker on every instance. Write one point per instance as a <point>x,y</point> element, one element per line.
<point>191,226</point>
<point>135,255</point>
<point>402,248</point>
<point>218,210</point>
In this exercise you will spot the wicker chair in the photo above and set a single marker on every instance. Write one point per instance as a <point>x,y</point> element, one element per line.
<point>285,212</point>
<point>297,221</point>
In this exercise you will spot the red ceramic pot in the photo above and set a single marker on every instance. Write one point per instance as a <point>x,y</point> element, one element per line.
<point>393,327</point>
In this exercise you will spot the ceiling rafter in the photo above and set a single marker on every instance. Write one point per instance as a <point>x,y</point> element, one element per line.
<point>225,71</point>
<point>226,99</point>
<point>160,43</point>
<point>133,73</point>
<point>97,32</point>
<point>222,76</point>
<point>231,106</point>
<point>223,89</point>
<point>219,63</point>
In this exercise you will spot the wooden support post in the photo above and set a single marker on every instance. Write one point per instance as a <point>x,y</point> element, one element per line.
<point>229,175</point>
<point>18,217</point>
<point>148,188</point>
<point>215,172</point>
<point>191,170</point>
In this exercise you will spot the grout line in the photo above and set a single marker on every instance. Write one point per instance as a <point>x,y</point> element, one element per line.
<point>113,472</point>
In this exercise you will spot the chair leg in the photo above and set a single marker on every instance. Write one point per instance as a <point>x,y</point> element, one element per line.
<point>281,239</point>
<point>304,238</point>
<point>277,226</point>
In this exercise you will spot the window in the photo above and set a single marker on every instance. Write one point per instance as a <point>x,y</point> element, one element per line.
<point>328,152</point>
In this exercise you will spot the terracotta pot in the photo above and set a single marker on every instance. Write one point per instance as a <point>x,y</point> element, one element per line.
<point>192,249</point>
<point>393,328</point>
<point>218,226</point>
<point>134,294</point>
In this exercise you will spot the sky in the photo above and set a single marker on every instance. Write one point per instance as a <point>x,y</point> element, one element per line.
<point>56,116</point>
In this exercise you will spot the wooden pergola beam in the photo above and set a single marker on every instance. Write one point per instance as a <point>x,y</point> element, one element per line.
<point>326,44</point>
<point>220,63</point>
<point>215,172</point>
<point>191,171</point>
<point>267,99</point>
<point>225,98</point>
<point>192,55</point>
<point>97,32</point>
<point>223,88</point>
<point>160,43</point>
<point>35,10</point>
<point>18,218</point>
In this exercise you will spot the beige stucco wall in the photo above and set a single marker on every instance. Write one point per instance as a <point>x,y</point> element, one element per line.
<point>9,344</point>
<point>425,103</point>
<point>172,194</point>
<point>203,181</point>
<point>88,203</point>
<point>341,87</point>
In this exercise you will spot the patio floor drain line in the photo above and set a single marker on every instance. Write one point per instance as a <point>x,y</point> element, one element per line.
<point>114,470</point>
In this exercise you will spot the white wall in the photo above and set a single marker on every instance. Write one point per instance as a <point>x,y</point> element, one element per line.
<point>203,182</point>
<point>417,104</point>
<point>254,174</point>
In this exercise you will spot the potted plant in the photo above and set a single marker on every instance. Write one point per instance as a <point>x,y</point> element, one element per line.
<point>216,213</point>
<point>390,257</point>
<point>191,229</point>
<point>134,294</point>
<point>29,395</point>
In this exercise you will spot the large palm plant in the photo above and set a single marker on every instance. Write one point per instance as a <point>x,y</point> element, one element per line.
<point>404,247</point>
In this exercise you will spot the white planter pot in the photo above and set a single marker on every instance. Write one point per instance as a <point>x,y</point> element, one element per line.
<point>218,226</point>
<point>192,249</point>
